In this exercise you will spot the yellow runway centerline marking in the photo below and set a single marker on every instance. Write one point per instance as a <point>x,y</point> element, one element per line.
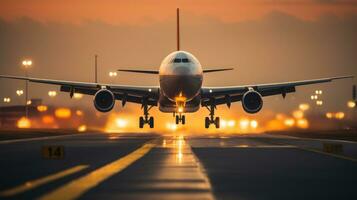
<point>76,188</point>
<point>41,181</point>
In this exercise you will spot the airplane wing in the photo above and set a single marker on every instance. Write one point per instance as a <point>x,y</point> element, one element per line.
<point>139,71</point>
<point>134,94</point>
<point>216,70</point>
<point>157,72</point>
<point>227,95</point>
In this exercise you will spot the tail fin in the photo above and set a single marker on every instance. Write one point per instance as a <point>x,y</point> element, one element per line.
<point>178,28</point>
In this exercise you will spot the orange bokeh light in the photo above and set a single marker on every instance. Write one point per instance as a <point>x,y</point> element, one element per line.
<point>63,113</point>
<point>302,123</point>
<point>289,122</point>
<point>42,108</point>
<point>24,122</point>
<point>298,114</point>
<point>47,119</point>
<point>82,128</point>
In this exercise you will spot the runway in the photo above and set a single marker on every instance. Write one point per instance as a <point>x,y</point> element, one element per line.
<point>178,166</point>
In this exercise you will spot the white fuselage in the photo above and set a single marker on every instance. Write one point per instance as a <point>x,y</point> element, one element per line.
<point>180,75</point>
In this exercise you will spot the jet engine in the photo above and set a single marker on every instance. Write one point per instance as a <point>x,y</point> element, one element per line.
<point>252,101</point>
<point>104,100</point>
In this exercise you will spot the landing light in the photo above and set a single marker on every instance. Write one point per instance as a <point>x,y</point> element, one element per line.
<point>180,109</point>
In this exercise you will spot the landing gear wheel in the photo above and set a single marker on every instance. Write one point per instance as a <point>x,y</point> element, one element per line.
<point>146,119</point>
<point>180,118</point>
<point>141,122</point>
<point>177,119</point>
<point>207,122</point>
<point>151,122</point>
<point>211,119</point>
<point>217,122</point>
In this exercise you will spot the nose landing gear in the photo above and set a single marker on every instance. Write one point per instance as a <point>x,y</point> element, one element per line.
<point>180,118</point>
<point>146,119</point>
<point>180,104</point>
<point>211,119</point>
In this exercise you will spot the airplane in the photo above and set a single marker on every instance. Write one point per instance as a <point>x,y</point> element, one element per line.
<point>180,89</point>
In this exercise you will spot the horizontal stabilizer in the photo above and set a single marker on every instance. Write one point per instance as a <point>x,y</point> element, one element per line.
<point>140,71</point>
<point>216,70</point>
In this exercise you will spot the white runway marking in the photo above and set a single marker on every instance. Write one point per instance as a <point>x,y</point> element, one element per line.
<point>39,138</point>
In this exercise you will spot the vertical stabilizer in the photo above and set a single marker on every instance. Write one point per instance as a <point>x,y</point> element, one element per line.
<point>178,28</point>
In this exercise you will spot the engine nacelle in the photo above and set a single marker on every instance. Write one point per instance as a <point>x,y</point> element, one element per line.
<point>104,100</point>
<point>252,102</point>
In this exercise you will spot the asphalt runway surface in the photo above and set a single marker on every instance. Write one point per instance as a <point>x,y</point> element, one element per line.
<point>151,166</point>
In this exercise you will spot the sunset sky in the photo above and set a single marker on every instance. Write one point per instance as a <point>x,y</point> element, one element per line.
<point>264,40</point>
<point>136,12</point>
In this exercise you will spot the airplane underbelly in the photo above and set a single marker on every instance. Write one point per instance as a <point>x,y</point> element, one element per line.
<point>168,106</point>
<point>180,85</point>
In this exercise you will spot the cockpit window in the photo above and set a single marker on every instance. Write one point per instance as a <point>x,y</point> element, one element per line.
<point>177,60</point>
<point>185,60</point>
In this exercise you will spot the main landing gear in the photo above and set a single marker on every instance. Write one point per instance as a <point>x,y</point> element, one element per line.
<point>180,118</point>
<point>146,119</point>
<point>211,119</point>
